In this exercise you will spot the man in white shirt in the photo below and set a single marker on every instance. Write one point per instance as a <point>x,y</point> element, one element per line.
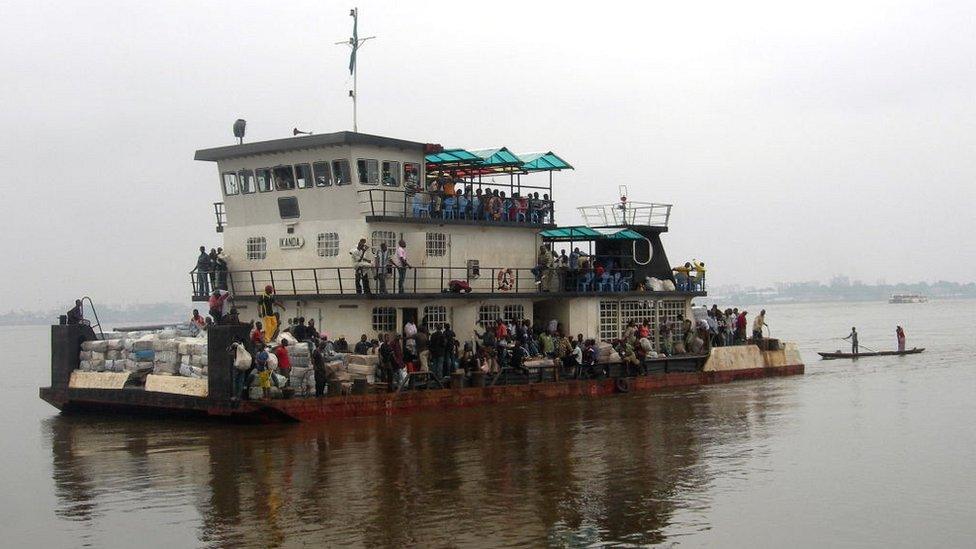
<point>400,260</point>
<point>362,260</point>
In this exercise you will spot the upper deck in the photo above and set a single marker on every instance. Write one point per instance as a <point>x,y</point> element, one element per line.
<point>354,176</point>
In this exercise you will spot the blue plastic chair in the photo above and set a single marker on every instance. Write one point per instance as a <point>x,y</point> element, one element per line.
<point>605,282</point>
<point>450,207</point>
<point>585,283</point>
<point>421,208</point>
<point>463,207</point>
<point>625,283</point>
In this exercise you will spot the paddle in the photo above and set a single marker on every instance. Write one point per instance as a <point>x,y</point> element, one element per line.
<point>858,345</point>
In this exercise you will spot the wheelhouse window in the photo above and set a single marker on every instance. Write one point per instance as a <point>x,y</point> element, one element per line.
<point>263,175</point>
<point>303,176</point>
<point>323,177</point>
<point>411,174</point>
<point>248,186</point>
<point>391,173</point>
<point>256,248</point>
<point>340,171</point>
<point>230,184</point>
<point>284,178</point>
<point>288,207</point>
<point>436,244</point>
<point>369,171</point>
<point>384,319</point>
<point>328,244</point>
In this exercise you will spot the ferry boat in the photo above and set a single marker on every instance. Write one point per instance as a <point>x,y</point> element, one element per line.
<point>907,298</point>
<point>293,209</point>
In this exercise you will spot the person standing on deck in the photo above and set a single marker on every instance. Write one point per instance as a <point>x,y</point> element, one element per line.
<point>202,270</point>
<point>284,361</point>
<point>900,335</point>
<point>266,305</point>
<point>758,324</point>
<point>400,260</point>
<point>362,261</point>
<point>853,338</point>
<point>437,349</point>
<point>382,263</point>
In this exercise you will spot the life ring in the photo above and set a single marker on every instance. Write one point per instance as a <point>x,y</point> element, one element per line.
<point>622,385</point>
<point>505,282</point>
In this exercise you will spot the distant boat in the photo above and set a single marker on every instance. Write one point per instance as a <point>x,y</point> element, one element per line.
<point>907,298</point>
<point>838,354</point>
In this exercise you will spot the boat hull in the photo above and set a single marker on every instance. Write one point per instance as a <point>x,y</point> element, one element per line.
<point>833,356</point>
<point>330,408</point>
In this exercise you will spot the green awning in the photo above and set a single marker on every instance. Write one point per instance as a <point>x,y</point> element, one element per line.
<point>497,157</point>
<point>453,156</point>
<point>625,234</point>
<point>584,233</point>
<point>539,162</point>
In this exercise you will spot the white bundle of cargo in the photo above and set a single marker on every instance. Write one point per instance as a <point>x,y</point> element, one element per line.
<point>170,351</point>
<point>605,353</point>
<point>298,355</point>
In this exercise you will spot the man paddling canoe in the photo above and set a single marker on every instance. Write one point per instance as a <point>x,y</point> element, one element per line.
<point>900,336</point>
<point>853,338</point>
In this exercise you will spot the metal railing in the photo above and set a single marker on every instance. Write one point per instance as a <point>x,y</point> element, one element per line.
<point>221,216</point>
<point>627,213</point>
<point>420,280</point>
<point>431,205</point>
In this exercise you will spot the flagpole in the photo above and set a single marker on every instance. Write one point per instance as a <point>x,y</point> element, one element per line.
<point>354,43</point>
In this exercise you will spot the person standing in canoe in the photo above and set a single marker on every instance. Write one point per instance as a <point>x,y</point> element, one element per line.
<point>900,335</point>
<point>853,338</point>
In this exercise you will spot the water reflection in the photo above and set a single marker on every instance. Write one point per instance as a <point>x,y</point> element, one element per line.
<point>573,472</point>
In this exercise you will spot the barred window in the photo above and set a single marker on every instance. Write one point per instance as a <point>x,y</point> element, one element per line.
<point>256,247</point>
<point>248,184</point>
<point>513,312</point>
<point>435,315</point>
<point>609,319</point>
<point>379,237</point>
<point>488,315</point>
<point>672,312</point>
<point>384,319</point>
<point>340,172</point>
<point>436,244</point>
<point>614,316</point>
<point>328,244</point>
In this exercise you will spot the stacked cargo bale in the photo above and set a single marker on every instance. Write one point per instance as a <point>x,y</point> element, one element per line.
<point>193,356</point>
<point>141,357</point>
<point>166,361</point>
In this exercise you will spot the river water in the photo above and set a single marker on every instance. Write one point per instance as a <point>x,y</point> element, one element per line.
<point>878,452</point>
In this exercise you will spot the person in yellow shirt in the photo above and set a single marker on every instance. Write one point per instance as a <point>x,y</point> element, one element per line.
<point>266,305</point>
<point>682,277</point>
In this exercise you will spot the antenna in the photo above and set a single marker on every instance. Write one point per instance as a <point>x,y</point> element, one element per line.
<point>354,43</point>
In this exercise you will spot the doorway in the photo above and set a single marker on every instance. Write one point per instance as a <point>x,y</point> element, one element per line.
<point>408,314</point>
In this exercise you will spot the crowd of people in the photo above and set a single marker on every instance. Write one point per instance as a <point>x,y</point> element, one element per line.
<point>454,198</point>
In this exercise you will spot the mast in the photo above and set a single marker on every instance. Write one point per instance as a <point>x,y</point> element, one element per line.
<point>354,43</point>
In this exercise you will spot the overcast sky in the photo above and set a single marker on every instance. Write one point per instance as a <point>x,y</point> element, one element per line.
<point>797,140</point>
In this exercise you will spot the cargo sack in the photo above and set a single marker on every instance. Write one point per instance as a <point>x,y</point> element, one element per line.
<point>242,359</point>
